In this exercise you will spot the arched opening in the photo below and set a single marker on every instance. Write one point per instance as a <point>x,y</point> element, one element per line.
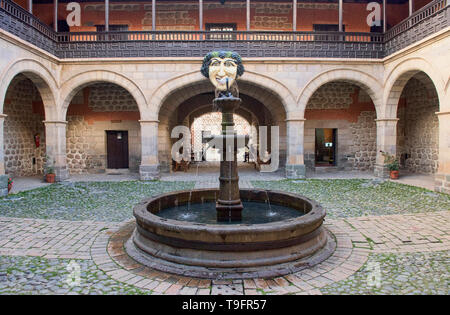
<point>340,128</point>
<point>418,126</point>
<point>24,131</point>
<point>259,107</point>
<point>209,124</point>
<point>103,131</point>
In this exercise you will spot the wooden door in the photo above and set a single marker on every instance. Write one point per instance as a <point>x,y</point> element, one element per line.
<point>117,149</point>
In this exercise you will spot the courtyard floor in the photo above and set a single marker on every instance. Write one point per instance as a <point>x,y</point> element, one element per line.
<point>66,238</point>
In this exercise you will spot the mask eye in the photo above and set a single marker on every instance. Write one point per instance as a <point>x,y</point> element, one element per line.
<point>229,64</point>
<point>215,63</point>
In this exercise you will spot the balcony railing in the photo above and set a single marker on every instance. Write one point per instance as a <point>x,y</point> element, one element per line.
<point>428,20</point>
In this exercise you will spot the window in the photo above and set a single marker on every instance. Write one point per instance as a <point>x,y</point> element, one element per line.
<point>222,29</point>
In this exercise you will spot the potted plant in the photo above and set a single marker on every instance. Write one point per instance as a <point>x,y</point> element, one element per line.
<point>49,171</point>
<point>392,164</point>
<point>10,183</point>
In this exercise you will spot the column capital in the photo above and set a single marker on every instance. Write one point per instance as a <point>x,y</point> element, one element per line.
<point>156,121</point>
<point>55,122</point>
<point>295,119</point>
<point>387,119</point>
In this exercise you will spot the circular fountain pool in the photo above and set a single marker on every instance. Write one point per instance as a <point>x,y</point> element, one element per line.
<point>280,233</point>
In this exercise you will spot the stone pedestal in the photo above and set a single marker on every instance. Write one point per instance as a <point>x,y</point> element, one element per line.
<point>55,140</point>
<point>295,167</point>
<point>149,168</point>
<point>229,206</point>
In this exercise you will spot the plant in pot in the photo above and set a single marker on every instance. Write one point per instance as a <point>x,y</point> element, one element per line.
<point>392,164</point>
<point>10,183</point>
<point>49,171</point>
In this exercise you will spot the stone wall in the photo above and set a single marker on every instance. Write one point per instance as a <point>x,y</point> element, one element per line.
<point>418,126</point>
<point>106,97</point>
<point>22,158</point>
<point>334,95</point>
<point>349,109</point>
<point>364,141</point>
<point>93,111</point>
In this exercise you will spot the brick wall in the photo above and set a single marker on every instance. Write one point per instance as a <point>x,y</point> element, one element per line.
<point>23,106</point>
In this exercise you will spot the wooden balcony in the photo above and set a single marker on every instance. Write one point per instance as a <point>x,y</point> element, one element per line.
<point>428,20</point>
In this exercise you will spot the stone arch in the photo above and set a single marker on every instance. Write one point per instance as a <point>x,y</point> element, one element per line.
<point>175,92</point>
<point>400,75</point>
<point>365,81</point>
<point>195,78</point>
<point>73,85</point>
<point>41,78</point>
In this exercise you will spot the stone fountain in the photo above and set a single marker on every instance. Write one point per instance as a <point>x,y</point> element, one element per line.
<point>229,232</point>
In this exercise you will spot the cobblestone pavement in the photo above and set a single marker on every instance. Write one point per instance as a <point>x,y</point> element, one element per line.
<point>387,243</point>
<point>363,197</point>
<point>37,275</point>
<point>49,238</point>
<point>95,201</point>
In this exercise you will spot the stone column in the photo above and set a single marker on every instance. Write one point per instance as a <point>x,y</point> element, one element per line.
<point>384,16</point>
<point>295,166</point>
<point>341,16</point>
<point>55,141</point>
<point>3,176</point>
<point>411,7</point>
<point>386,142</point>
<point>30,6</point>
<point>149,169</point>
<point>442,177</point>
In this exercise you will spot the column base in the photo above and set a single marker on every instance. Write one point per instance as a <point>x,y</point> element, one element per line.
<point>61,174</point>
<point>149,172</point>
<point>381,171</point>
<point>295,171</point>
<point>442,183</point>
<point>4,185</point>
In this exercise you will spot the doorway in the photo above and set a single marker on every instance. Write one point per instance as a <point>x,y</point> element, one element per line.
<point>117,149</point>
<point>326,146</point>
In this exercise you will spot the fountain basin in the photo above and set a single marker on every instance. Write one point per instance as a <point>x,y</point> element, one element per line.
<point>209,249</point>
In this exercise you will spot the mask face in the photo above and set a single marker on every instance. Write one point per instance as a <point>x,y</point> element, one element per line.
<point>221,69</point>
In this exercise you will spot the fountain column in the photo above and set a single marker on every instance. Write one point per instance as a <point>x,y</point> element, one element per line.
<point>229,206</point>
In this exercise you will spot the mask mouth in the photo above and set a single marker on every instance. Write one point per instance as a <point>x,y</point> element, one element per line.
<point>221,80</point>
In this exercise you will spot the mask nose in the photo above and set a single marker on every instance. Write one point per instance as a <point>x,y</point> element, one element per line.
<point>222,70</point>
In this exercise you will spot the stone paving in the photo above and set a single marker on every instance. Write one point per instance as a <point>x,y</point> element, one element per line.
<point>390,245</point>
